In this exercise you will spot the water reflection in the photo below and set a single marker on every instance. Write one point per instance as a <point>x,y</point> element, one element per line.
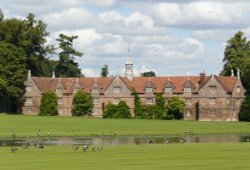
<point>127,140</point>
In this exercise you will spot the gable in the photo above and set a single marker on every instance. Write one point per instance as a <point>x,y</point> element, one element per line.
<point>117,83</point>
<point>212,88</point>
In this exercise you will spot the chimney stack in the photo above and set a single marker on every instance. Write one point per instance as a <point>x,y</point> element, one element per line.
<point>202,77</point>
<point>53,74</point>
<point>29,73</point>
<point>232,73</point>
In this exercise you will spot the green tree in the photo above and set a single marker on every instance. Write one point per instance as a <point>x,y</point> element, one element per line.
<point>137,103</point>
<point>244,114</point>
<point>148,74</point>
<point>66,66</point>
<point>49,104</point>
<point>82,104</point>
<point>175,108</point>
<point>123,110</point>
<point>149,111</point>
<point>160,104</point>
<point>30,35</point>
<point>105,71</point>
<point>117,111</point>
<point>237,56</point>
<point>1,15</point>
<point>13,73</point>
<point>110,110</point>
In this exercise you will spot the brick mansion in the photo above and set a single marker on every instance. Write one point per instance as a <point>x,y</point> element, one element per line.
<point>206,97</point>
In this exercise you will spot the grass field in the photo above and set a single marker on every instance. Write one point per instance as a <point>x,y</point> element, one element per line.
<point>23,126</point>
<point>130,157</point>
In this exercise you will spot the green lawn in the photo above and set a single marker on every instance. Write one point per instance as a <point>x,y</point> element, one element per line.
<point>24,126</point>
<point>130,157</point>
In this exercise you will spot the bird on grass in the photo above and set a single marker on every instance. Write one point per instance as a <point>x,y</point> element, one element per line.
<point>85,148</point>
<point>75,147</point>
<point>13,149</point>
<point>100,148</point>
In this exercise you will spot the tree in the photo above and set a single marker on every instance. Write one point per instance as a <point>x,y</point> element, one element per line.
<point>148,74</point>
<point>137,102</point>
<point>149,111</point>
<point>30,35</point>
<point>1,15</point>
<point>49,104</point>
<point>117,111</point>
<point>175,108</point>
<point>160,104</point>
<point>244,114</point>
<point>13,73</point>
<point>105,71</point>
<point>235,52</point>
<point>123,111</point>
<point>237,56</point>
<point>82,104</point>
<point>109,111</point>
<point>66,66</point>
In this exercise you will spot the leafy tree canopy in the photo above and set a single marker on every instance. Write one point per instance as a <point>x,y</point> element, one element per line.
<point>237,56</point>
<point>82,104</point>
<point>66,66</point>
<point>117,111</point>
<point>49,104</point>
<point>175,108</point>
<point>148,74</point>
<point>244,114</point>
<point>105,71</point>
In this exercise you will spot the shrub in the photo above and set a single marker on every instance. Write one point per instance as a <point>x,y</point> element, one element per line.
<point>82,104</point>
<point>49,104</point>
<point>244,114</point>
<point>117,111</point>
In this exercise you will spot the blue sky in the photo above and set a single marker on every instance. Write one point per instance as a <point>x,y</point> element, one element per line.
<point>169,37</point>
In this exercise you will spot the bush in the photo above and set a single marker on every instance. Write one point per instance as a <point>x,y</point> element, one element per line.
<point>175,108</point>
<point>117,111</point>
<point>82,104</point>
<point>244,114</point>
<point>49,104</point>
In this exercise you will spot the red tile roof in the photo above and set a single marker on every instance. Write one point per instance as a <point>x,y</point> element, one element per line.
<point>139,83</point>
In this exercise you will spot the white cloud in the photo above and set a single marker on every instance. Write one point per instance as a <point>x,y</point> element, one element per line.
<point>72,18</point>
<point>202,13</point>
<point>101,3</point>
<point>89,72</point>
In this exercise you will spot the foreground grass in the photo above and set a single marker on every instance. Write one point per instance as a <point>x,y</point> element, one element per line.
<point>133,157</point>
<point>23,126</point>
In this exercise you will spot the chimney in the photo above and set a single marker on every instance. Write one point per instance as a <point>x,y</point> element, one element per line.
<point>238,73</point>
<point>53,74</point>
<point>202,77</point>
<point>29,73</point>
<point>232,73</point>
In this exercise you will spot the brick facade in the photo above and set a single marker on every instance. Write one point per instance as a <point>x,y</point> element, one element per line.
<point>207,98</point>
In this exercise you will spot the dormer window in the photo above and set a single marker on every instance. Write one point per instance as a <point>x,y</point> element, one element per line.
<point>212,89</point>
<point>117,89</point>
<point>149,90</point>
<point>95,90</point>
<point>168,89</point>
<point>187,90</point>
